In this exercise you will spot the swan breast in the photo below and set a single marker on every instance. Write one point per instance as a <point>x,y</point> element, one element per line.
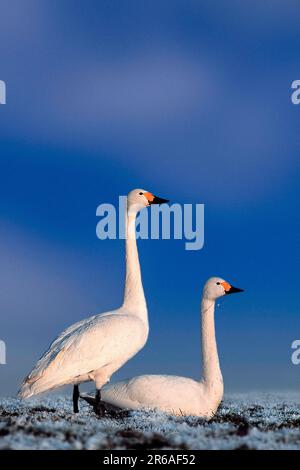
<point>172,394</point>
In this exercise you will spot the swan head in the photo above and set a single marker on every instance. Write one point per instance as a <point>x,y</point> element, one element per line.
<point>217,287</point>
<point>140,198</point>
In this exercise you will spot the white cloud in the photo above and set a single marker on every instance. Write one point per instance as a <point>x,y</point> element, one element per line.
<point>118,95</point>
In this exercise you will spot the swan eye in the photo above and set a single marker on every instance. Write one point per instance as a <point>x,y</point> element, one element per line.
<point>140,194</point>
<point>218,283</point>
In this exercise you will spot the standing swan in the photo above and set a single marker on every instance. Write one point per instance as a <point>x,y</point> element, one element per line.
<point>180,395</point>
<point>94,348</point>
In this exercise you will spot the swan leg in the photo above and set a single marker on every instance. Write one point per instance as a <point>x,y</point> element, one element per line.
<point>99,408</point>
<point>75,398</point>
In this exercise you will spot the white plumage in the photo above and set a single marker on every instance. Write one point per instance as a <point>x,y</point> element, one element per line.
<point>94,348</point>
<point>168,393</point>
<point>179,395</point>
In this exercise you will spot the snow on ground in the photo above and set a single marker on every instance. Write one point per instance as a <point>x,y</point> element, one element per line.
<point>254,421</point>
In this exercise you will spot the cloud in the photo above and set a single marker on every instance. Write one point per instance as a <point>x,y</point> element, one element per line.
<point>253,17</point>
<point>94,99</point>
<point>172,101</point>
<point>138,92</point>
<point>21,24</point>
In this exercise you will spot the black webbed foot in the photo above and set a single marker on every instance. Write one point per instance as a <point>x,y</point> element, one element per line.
<point>76,396</point>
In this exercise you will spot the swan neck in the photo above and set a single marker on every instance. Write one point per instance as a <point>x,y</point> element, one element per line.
<point>212,376</point>
<point>134,298</point>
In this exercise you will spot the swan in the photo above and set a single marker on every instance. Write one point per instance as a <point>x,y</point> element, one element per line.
<point>180,395</point>
<point>94,348</point>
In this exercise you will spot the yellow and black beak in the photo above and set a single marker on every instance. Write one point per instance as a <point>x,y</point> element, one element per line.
<point>158,200</point>
<point>154,199</point>
<point>229,289</point>
<point>234,290</point>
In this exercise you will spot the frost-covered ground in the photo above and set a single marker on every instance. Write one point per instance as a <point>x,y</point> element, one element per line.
<point>255,421</point>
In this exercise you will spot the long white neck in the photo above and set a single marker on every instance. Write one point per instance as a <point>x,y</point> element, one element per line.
<point>212,376</point>
<point>134,298</point>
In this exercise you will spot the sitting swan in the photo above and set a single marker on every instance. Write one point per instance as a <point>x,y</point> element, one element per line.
<point>180,395</point>
<point>94,348</point>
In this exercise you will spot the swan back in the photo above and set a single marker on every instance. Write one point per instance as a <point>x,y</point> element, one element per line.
<point>171,394</point>
<point>104,341</point>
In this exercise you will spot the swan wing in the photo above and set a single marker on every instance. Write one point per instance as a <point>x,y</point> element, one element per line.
<point>85,347</point>
<point>58,345</point>
<point>168,393</point>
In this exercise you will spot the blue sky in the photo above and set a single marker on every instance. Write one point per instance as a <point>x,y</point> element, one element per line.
<point>190,100</point>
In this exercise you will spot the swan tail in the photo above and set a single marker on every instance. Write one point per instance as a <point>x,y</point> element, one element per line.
<point>36,385</point>
<point>44,377</point>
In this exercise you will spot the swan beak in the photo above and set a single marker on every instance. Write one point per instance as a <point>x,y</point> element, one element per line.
<point>155,199</point>
<point>233,290</point>
<point>158,200</point>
